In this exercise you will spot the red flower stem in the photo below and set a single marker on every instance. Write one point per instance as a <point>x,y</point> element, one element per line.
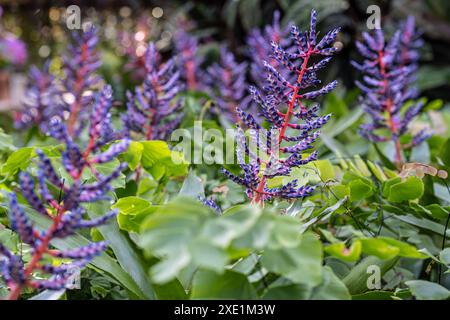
<point>295,96</point>
<point>38,253</point>
<point>388,107</point>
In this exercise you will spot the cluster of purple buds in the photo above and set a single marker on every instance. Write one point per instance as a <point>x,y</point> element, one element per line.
<point>40,96</point>
<point>281,100</point>
<point>227,84</point>
<point>387,86</point>
<point>65,206</point>
<point>260,49</point>
<point>188,59</point>
<point>152,110</point>
<point>79,66</point>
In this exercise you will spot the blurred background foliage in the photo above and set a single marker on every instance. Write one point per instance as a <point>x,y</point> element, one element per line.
<point>130,24</point>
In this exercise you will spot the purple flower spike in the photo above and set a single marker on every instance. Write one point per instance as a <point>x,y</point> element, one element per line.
<point>188,59</point>
<point>41,101</point>
<point>260,49</point>
<point>79,67</point>
<point>227,82</point>
<point>287,84</point>
<point>153,111</point>
<point>389,72</point>
<point>67,211</point>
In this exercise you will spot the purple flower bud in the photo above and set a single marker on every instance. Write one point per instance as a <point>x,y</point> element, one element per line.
<point>87,252</point>
<point>19,221</point>
<point>210,203</point>
<point>27,186</point>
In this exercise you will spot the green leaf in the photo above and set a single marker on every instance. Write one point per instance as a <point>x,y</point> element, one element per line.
<point>49,295</point>
<point>445,153</point>
<point>373,295</point>
<point>356,280</point>
<point>340,251</point>
<point>156,158</point>
<point>332,288</point>
<point>360,189</point>
<point>388,248</point>
<point>192,186</point>
<point>229,285</point>
<point>379,248</point>
<point>132,212</point>
<point>6,142</point>
<point>133,155</point>
<point>325,168</point>
<point>301,264</point>
<point>444,256</point>
<point>123,250</point>
<point>18,160</point>
<point>286,290</point>
<point>425,290</point>
<point>397,190</point>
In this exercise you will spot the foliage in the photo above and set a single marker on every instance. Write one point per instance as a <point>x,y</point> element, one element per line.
<point>143,220</point>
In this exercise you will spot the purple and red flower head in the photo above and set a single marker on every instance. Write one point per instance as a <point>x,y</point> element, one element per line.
<point>152,110</point>
<point>389,71</point>
<point>288,86</point>
<point>65,207</point>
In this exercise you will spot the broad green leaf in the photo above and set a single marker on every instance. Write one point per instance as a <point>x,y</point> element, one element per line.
<point>229,285</point>
<point>18,160</point>
<point>325,168</point>
<point>133,155</point>
<point>425,290</point>
<point>123,250</point>
<point>388,248</point>
<point>360,189</point>
<point>192,186</point>
<point>287,291</point>
<point>340,251</point>
<point>379,248</point>
<point>445,153</point>
<point>132,212</point>
<point>397,190</point>
<point>6,142</point>
<point>49,295</point>
<point>356,280</point>
<point>444,256</point>
<point>301,264</point>
<point>332,288</point>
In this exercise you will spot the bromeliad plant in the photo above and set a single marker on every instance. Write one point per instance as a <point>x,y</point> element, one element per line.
<point>260,49</point>
<point>65,212</point>
<point>151,110</point>
<point>68,97</point>
<point>286,91</point>
<point>389,70</point>
<point>227,84</point>
<point>189,61</point>
<point>40,98</point>
<point>80,78</point>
